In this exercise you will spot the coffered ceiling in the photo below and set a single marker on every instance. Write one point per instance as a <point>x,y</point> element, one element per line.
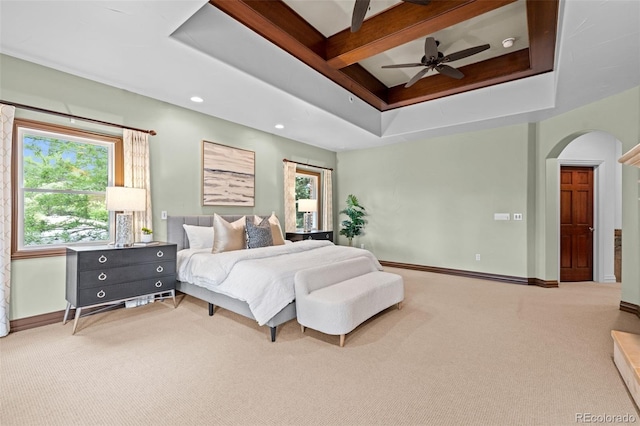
<point>318,33</point>
<point>170,50</point>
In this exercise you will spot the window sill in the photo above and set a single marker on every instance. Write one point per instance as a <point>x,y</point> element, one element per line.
<point>34,254</point>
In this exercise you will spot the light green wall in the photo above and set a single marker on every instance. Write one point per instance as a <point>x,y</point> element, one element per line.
<point>38,285</point>
<point>618,115</point>
<point>432,202</point>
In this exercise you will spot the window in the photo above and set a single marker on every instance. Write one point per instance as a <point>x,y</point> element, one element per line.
<point>60,177</point>
<point>308,187</point>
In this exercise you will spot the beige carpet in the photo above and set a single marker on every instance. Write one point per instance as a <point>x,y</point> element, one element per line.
<point>461,351</point>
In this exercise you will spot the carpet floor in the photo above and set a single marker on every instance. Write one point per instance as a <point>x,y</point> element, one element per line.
<point>461,351</point>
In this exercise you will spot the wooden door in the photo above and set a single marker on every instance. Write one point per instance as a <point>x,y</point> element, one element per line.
<point>576,224</point>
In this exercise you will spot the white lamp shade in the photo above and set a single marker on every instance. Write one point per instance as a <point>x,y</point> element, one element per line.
<point>307,205</point>
<point>120,198</point>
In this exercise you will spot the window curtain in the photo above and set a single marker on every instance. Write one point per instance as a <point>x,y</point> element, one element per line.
<point>289,196</point>
<point>6,129</point>
<point>137,174</point>
<point>327,201</point>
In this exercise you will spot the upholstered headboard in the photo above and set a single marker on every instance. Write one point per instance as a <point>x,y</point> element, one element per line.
<point>176,233</point>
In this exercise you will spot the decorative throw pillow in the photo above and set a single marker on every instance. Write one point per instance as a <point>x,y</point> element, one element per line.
<point>228,236</point>
<point>200,237</point>
<point>259,235</point>
<point>276,230</point>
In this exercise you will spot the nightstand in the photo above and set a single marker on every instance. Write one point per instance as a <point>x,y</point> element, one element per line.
<point>106,276</point>
<point>312,235</point>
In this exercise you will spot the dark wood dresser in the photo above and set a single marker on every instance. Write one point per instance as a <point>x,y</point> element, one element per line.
<point>312,235</point>
<point>104,275</point>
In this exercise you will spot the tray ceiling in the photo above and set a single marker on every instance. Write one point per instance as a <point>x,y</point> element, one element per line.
<point>318,33</point>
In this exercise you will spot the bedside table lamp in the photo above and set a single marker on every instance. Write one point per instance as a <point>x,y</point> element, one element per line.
<point>308,207</point>
<point>125,200</point>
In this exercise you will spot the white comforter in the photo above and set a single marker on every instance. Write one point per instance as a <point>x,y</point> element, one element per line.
<point>262,277</point>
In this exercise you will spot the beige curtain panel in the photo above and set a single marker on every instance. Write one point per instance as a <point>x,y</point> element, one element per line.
<point>6,129</point>
<point>137,174</point>
<point>289,196</point>
<point>327,200</point>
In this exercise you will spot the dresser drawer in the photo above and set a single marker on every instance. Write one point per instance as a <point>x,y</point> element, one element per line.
<point>109,276</point>
<point>110,258</point>
<point>109,293</point>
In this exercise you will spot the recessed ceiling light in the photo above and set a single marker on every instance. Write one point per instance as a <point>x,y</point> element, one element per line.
<point>279,126</point>
<point>197,99</point>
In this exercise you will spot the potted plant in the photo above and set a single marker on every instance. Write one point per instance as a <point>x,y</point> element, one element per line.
<point>352,227</point>
<point>147,235</point>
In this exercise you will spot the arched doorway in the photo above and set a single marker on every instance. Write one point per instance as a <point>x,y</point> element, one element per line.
<point>598,151</point>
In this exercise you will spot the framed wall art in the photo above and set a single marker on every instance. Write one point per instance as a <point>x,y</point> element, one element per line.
<point>228,175</point>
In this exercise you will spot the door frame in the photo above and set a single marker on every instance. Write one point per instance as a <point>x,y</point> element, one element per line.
<point>598,254</point>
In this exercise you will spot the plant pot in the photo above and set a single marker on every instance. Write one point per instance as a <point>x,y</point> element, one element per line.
<point>146,238</point>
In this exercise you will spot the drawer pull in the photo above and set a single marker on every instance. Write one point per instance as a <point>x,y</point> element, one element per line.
<point>159,253</point>
<point>102,276</point>
<point>159,269</point>
<point>101,294</point>
<point>102,259</point>
<point>159,284</point>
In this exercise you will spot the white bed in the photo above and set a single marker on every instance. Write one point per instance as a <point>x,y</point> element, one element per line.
<point>256,283</point>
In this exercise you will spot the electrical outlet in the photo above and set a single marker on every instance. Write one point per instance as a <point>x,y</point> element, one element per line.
<point>478,256</point>
<point>517,216</point>
<point>164,215</point>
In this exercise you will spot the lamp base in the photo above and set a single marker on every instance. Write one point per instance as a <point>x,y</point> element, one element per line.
<point>308,222</point>
<point>124,230</point>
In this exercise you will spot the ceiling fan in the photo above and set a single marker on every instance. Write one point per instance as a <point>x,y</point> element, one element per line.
<point>361,7</point>
<point>434,60</point>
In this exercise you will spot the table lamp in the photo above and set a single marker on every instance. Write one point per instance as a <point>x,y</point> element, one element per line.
<point>308,207</point>
<point>125,200</point>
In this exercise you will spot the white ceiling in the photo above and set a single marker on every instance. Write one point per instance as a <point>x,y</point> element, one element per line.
<point>172,50</point>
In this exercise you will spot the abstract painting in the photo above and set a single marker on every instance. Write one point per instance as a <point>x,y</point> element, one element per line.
<point>228,175</point>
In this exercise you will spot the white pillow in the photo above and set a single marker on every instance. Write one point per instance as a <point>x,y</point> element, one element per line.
<point>200,237</point>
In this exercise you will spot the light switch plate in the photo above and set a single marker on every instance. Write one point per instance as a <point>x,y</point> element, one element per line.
<point>517,216</point>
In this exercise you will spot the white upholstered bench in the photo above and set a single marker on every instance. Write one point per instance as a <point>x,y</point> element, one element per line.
<point>336,298</point>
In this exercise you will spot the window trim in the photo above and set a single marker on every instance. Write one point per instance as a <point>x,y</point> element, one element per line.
<point>318,176</point>
<point>118,177</point>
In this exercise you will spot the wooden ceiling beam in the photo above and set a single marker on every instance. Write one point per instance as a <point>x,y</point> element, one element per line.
<point>282,26</point>
<point>542,20</point>
<point>401,24</point>
<point>276,22</point>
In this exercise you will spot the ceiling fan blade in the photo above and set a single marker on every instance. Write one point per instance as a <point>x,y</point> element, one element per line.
<point>402,65</point>
<point>449,71</point>
<point>430,48</point>
<point>464,53</point>
<point>420,2</point>
<point>359,12</point>
<point>416,77</point>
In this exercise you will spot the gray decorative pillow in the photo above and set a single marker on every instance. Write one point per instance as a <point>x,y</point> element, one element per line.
<point>259,235</point>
